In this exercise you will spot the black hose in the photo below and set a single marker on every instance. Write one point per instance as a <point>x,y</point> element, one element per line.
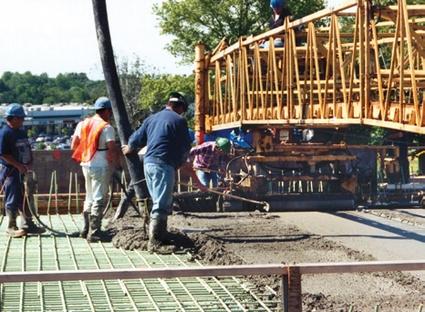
<point>72,234</point>
<point>37,217</point>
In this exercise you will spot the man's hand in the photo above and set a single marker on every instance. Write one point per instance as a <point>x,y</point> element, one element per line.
<point>126,149</point>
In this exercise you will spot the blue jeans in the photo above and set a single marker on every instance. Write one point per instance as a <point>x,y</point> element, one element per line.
<point>160,179</point>
<point>206,177</point>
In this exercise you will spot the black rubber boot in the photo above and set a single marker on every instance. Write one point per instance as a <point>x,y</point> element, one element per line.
<point>157,236</point>
<point>154,235</point>
<point>31,228</point>
<point>12,229</point>
<point>96,234</point>
<point>86,227</point>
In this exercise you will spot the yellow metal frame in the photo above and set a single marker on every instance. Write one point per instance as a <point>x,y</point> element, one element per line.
<point>330,72</point>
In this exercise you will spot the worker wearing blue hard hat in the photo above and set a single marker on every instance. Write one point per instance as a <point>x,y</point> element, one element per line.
<point>274,4</point>
<point>14,110</point>
<point>94,148</point>
<point>15,160</point>
<point>102,103</point>
<point>280,12</point>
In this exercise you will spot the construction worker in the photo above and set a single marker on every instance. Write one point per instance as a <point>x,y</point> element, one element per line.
<point>94,147</point>
<point>209,158</point>
<point>15,161</point>
<point>279,13</point>
<point>168,143</point>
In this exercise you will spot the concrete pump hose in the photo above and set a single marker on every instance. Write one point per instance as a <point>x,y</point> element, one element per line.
<point>37,217</point>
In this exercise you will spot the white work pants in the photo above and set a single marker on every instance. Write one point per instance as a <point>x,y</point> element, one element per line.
<point>97,181</point>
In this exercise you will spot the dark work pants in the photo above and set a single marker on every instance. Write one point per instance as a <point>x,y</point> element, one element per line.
<point>13,187</point>
<point>12,183</point>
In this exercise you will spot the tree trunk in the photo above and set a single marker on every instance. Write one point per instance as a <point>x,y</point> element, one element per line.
<point>114,90</point>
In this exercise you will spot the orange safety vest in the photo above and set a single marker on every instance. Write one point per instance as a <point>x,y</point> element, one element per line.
<point>91,130</point>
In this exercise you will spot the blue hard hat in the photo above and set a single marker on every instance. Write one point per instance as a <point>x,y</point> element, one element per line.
<point>275,4</point>
<point>102,103</point>
<point>14,110</point>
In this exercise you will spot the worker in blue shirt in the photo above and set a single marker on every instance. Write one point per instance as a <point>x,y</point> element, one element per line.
<point>15,161</point>
<point>168,143</point>
<point>277,19</point>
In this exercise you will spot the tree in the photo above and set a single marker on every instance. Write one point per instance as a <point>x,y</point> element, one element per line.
<point>40,89</point>
<point>157,87</point>
<point>130,74</point>
<point>209,21</point>
<point>33,132</point>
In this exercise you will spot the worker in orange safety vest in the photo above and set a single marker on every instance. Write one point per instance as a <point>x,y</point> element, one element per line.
<point>94,148</point>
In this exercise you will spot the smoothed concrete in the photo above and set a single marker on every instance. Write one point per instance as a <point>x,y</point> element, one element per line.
<point>382,238</point>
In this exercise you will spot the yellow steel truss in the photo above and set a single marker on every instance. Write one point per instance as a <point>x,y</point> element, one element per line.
<point>354,64</point>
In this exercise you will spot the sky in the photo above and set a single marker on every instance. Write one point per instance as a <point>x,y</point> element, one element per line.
<point>58,36</point>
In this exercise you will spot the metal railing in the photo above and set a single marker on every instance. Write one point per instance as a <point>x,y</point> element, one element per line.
<point>291,274</point>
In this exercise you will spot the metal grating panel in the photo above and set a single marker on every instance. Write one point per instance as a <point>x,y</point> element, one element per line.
<point>46,252</point>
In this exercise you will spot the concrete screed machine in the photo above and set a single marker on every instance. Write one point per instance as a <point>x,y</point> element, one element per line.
<point>293,99</point>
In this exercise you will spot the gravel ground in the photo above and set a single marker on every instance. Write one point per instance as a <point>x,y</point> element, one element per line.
<point>253,238</point>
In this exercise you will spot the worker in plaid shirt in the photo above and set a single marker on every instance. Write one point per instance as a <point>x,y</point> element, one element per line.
<point>209,158</point>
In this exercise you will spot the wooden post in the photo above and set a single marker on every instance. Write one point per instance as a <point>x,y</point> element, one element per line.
<point>367,72</point>
<point>362,65</point>
<point>291,287</point>
<point>114,90</point>
<point>199,93</point>
<point>284,293</point>
<point>206,93</point>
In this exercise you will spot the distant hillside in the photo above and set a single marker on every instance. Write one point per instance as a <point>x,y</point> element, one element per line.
<point>41,89</point>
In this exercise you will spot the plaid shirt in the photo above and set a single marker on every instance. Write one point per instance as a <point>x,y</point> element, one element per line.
<point>207,156</point>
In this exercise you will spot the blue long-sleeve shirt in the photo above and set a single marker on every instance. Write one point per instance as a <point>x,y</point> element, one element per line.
<point>167,137</point>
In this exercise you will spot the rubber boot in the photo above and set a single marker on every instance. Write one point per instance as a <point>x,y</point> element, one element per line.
<point>31,228</point>
<point>12,229</point>
<point>164,235</point>
<point>95,233</point>
<point>157,236</point>
<point>86,227</point>
<point>154,234</point>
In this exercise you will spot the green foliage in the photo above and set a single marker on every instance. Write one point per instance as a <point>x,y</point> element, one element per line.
<point>377,136</point>
<point>40,146</point>
<point>209,21</point>
<point>394,2</point>
<point>33,132</point>
<point>157,87</point>
<point>66,131</point>
<point>130,74</point>
<point>40,89</point>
